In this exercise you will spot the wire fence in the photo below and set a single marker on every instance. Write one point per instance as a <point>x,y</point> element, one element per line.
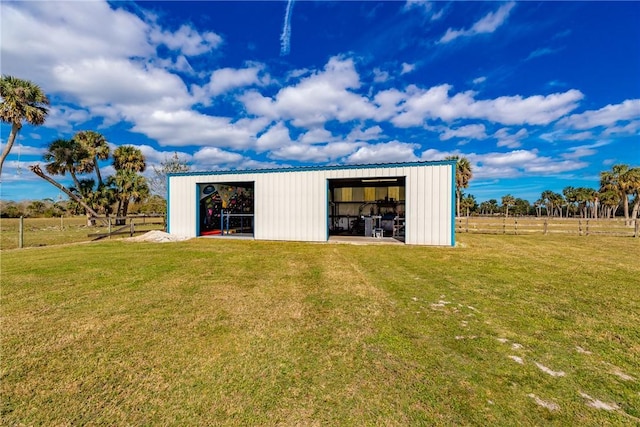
<point>34,232</point>
<point>548,225</point>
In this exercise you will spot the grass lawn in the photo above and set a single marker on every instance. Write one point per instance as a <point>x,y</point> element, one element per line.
<point>501,330</point>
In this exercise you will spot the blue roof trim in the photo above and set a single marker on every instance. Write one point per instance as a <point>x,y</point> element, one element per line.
<point>316,168</point>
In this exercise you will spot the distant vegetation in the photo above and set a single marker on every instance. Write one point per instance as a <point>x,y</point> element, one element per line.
<point>618,195</point>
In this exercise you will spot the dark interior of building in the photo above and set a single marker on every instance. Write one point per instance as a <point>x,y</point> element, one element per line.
<point>371,207</point>
<point>226,208</point>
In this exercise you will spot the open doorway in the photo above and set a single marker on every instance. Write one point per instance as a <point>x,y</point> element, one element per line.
<point>226,209</point>
<point>368,207</point>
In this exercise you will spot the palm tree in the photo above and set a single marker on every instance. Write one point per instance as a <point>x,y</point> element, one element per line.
<point>571,196</point>
<point>609,203</point>
<point>557,200</point>
<point>463,176</point>
<point>22,100</point>
<point>98,149</point>
<point>129,158</point>
<point>66,155</point>
<point>508,200</point>
<point>469,203</point>
<point>620,180</point>
<point>129,186</point>
<point>538,204</point>
<point>634,180</point>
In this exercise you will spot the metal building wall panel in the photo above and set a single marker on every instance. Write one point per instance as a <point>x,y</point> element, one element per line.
<point>292,205</point>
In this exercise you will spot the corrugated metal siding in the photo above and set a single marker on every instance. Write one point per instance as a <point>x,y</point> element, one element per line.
<point>429,205</point>
<point>292,205</point>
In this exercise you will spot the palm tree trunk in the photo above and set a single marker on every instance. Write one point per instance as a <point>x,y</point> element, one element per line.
<point>97,169</point>
<point>75,180</point>
<point>15,128</point>
<point>636,208</point>
<point>625,201</point>
<point>90,212</point>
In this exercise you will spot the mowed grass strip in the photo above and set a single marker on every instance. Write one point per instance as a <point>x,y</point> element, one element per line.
<point>502,330</point>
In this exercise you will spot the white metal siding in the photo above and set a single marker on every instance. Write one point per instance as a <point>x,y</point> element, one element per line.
<point>292,205</point>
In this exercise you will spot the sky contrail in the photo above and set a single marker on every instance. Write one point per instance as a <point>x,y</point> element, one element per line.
<point>285,37</point>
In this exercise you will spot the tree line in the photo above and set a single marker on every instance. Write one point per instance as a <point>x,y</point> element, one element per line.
<point>619,193</point>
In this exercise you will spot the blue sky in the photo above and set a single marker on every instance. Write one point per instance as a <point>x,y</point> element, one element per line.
<point>537,95</point>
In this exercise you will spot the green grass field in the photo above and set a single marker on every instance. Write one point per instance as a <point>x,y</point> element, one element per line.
<point>501,330</point>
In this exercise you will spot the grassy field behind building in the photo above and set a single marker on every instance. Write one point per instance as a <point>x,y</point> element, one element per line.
<point>501,330</point>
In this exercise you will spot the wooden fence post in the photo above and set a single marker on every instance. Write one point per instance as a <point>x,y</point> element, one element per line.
<point>637,231</point>
<point>587,227</point>
<point>61,223</point>
<point>504,225</point>
<point>21,233</point>
<point>109,228</point>
<point>467,224</point>
<point>515,220</point>
<point>132,227</point>
<point>545,227</point>
<point>579,227</point>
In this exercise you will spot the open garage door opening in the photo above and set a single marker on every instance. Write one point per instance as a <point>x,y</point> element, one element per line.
<point>369,207</point>
<point>226,209</point>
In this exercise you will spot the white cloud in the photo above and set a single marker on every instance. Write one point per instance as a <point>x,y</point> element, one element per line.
<point>608,116</point>
<point>631,128</point>
<point>65,33</point>
<point>62,117</point>
<point>474,131</point>
<point>276,136</point>
<point>315,136</point>
<point>514,158</point>
<point>510,164</point>
<point>479,80</point>
<point>225,79</point>
<point>99,81</point>
<point>314,153</point>
<point>387,152</point>
<point>432,154</point>
<point>369,134</point>
<point>425,6</point>
<point>186,40</point>
<point>380,76</point>
<point>388,103</point>
<point>212,157</point>
<point>506,139</point>
<point>435,103</point>
<point>317,99</point>
<point>407,68</point>
<point>488,24</point>
<point>519,162</point>
<point>176,128</point>
<point>543,51</point>
<point>155,157</point>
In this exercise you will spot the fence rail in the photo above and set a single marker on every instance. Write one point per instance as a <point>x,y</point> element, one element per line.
<point>129,229</point>
<point>535,225</point>
<point>32,232</point>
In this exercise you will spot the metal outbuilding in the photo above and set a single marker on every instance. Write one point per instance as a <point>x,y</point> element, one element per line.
<point>411,202</point>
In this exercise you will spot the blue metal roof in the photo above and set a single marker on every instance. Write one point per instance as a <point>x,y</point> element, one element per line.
<point>316,168</point>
